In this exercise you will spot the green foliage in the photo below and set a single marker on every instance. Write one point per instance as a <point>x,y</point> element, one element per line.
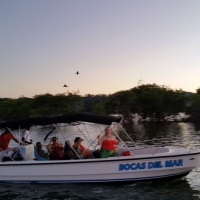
<point>93,103</point>
<point>15,109</point>
<point>149,101</point>
<point>122,102</point>
<point>156,102</point>
<point>193,106</point>
<point>40,105</point>
<point>198,91</point>
<point>48,104</point>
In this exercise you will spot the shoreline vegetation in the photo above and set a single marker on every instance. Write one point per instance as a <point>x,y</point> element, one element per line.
<point>149,102</point>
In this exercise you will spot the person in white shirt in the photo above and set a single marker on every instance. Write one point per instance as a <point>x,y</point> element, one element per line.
<point>26,136</point>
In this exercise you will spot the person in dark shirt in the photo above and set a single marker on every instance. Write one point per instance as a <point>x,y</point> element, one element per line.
<point>56,149</point>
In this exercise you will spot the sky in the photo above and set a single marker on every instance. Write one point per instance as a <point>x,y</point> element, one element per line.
<point>112,43</point>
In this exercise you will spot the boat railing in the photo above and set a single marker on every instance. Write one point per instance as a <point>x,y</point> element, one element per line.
<point>188,142</point>
<point>175,141</point>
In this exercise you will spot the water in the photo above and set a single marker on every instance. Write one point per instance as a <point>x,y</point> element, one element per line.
<point>154,190</point>
<point>184,188</point>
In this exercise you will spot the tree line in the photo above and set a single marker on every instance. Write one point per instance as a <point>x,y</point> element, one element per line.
<point>150,101</point>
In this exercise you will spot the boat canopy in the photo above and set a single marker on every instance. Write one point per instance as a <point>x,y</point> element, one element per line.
<point>69,118</point>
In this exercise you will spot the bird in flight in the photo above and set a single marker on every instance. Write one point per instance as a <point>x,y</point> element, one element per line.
<point>140,81</point>
<point>77,73</point>
<point>65,85</point>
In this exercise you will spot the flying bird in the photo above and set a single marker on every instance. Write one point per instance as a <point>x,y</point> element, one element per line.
<point>140,81</point>
<point>65,85</point>
<point>77,73</point>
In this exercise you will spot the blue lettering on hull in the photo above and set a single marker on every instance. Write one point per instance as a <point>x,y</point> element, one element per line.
<point>132,166</point>
<point>157,164</point>
<point>150,165</point>
<point>173,163</point>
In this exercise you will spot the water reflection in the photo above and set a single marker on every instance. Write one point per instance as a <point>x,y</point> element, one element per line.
<point>176,133</point>
<point>150,131</point>
<point>178,189</point>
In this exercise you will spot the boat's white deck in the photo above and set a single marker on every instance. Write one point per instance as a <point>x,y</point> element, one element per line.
<point>152,151</point>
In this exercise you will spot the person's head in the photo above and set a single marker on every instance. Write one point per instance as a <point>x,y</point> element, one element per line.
<point>7,129</point>
<point>39,145</point>
<point>54,139</point>
<point>78,139</point>
<point>28,127</point>
<point>107,130</point>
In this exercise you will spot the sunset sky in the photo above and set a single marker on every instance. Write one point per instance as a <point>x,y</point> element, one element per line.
<point>112,43</point>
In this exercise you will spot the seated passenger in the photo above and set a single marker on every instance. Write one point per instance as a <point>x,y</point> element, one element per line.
<point>40,154</point>
<point>69,152</point>
<point>56,149</point>
<point>108,143</point>
<point>80,149</point>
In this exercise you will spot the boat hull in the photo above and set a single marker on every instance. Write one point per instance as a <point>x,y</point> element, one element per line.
<point>125,168</point>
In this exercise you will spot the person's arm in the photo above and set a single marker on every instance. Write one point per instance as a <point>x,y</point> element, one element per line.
<point>12,137</point>
<point>60,144</point>
<point>49,147</point>
<point>17,141</point>
<point>117,141</point>
<point>26,142</point>
<point>100,140</point>
<point>75,146</point>
<point>40,153</point>
<point>84,150</point>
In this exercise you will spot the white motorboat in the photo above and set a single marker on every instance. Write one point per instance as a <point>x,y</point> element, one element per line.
<point>132,162</point>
